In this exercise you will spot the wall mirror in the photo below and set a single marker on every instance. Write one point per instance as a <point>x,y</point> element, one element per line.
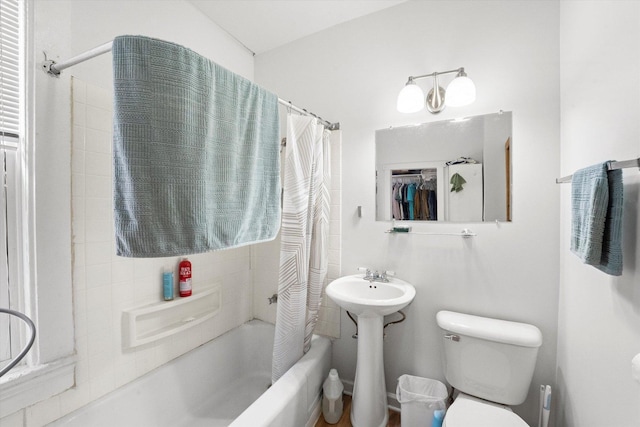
<point>446,171</point>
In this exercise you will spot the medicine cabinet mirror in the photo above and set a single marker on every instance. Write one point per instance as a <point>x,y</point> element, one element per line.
<point>446,171</point>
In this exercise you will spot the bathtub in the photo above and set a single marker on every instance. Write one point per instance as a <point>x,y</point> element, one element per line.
<point>222,383</point>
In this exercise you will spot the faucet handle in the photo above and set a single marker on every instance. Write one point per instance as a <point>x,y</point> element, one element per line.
<point>366,270</point>
<point>368,274</point>
<point>384,277</point>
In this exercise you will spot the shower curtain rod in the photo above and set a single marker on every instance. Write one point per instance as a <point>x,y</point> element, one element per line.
<point>55,68</point>
<point>633,163</point>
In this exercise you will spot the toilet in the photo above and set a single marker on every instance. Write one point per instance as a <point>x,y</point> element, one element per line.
<point>490,362</point>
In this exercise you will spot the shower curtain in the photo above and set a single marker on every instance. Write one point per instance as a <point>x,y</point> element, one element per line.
<point>303,239</point>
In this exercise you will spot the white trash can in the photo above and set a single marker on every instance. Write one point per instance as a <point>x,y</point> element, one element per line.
<point>420,398</point>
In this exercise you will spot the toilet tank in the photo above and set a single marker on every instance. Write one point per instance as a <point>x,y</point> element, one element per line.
<point>489,358</point>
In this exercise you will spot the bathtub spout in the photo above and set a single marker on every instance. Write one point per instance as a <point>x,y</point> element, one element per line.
<point>273,299</point>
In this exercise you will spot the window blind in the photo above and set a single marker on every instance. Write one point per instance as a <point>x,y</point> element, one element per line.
<point>10,129</point>
<point>9,73</point>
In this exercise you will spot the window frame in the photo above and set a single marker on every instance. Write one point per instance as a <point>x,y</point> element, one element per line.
<point>11,156</point>
<point>43,276</point>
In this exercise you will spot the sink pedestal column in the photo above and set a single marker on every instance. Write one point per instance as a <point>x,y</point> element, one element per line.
<point>369,403</point>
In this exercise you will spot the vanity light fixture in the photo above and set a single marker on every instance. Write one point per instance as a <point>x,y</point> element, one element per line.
<point>460,92</point>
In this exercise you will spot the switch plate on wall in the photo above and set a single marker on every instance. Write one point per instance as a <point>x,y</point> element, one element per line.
<point>635,367</point>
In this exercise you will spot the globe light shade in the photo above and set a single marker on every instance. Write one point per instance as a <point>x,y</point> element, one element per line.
<point>460,92</point>
<point>410,99</point>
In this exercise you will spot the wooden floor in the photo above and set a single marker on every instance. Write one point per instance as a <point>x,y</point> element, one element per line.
<point>394,417</point>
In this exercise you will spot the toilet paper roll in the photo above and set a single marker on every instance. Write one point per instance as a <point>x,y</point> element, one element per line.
<point>635,367</point>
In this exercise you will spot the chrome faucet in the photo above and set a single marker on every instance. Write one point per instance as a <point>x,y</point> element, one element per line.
<point>384,276</point>
<point>375,276</point>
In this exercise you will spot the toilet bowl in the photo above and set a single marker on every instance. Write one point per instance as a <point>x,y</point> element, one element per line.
<point>490,362</point>
<point>469,411</point>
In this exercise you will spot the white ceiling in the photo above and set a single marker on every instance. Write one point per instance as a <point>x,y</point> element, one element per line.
<point>262,25</point>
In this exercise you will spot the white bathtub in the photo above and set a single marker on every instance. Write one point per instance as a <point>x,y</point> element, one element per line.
<point>222,383</point>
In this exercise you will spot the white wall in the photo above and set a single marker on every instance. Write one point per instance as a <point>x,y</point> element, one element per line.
<point>78,247</point>
<point>599,315</point>
<point>352,73</point>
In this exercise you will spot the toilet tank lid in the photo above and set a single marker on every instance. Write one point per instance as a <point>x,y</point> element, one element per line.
<point>502,331</point>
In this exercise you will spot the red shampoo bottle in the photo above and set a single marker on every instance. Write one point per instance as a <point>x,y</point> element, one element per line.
<point>184,271</point>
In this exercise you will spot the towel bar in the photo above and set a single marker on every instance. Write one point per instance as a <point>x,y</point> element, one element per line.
<point>633,163</point>
<point>465,233</point>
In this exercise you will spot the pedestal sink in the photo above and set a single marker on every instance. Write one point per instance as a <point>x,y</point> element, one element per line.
<point>370,301</point>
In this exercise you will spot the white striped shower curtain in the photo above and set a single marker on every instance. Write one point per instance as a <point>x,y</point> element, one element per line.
<point>303,239</point>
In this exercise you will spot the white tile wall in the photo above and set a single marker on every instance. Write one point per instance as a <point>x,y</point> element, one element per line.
<point>13,420</point>
<point>105,284</point>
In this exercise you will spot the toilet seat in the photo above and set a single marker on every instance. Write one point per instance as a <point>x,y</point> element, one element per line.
<point>470,411</point>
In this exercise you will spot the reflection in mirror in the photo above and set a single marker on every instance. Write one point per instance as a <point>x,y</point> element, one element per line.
<point>451,170</point>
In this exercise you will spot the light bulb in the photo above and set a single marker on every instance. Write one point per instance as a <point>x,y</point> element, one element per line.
<point>460,92</point>
<point>410,98</point>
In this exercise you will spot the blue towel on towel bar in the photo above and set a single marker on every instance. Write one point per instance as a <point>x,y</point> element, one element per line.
<point>196,153</point>
<point>596,209</point>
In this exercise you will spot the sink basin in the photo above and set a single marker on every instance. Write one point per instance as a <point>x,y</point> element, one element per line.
<point>362,297</point>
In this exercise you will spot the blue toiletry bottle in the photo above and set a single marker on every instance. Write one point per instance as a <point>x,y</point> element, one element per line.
<point>167,285</point>
<point>438,417</point>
